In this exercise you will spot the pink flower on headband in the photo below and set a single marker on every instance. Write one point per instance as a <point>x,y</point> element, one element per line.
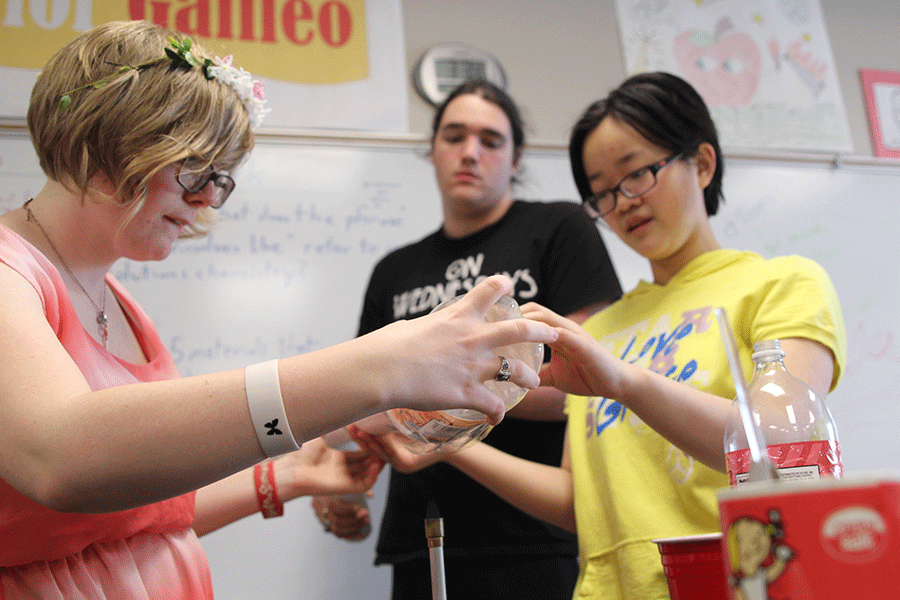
<point>258,92</point>
<point>248,90</point>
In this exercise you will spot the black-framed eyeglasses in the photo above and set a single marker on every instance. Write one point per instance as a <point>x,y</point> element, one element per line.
<point>193,178</point>
<point>632,185</point>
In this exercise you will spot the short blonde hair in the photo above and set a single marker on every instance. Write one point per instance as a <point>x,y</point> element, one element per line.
<point>137,122</point>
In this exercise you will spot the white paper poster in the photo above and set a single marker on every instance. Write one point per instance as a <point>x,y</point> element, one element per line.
<point>764,67</point>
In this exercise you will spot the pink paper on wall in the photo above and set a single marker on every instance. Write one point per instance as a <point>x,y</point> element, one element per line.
<point>882,91</point>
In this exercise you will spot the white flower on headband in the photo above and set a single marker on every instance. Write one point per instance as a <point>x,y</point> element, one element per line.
<point>248,90</point>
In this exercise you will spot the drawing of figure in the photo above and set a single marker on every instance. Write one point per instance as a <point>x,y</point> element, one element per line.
<point>757,555</point>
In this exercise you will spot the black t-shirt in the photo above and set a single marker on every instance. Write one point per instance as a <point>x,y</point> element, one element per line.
<point>554,254</point>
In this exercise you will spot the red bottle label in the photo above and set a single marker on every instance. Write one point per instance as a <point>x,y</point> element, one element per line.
<point>800,461</point>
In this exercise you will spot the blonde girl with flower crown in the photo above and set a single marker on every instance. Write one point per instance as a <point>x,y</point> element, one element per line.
<point>102,446</point>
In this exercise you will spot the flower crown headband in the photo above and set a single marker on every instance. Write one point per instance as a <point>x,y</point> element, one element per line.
<point>250,91</point>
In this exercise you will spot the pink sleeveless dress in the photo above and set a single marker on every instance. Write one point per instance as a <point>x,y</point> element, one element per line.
<point>149,552</point>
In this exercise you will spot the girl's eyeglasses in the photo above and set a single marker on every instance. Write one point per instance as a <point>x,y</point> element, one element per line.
<point>193,178</point>
<point>632,185</point>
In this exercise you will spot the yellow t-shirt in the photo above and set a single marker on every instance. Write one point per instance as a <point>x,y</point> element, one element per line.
<point>631,484</point>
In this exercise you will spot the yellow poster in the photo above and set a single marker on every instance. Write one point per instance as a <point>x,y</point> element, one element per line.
<point>316,42</point>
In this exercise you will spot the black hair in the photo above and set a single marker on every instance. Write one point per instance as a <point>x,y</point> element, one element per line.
<point>493,94</point>
<point>663,108</point>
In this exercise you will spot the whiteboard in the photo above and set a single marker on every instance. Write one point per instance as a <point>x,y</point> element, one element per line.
<point>285,270</point>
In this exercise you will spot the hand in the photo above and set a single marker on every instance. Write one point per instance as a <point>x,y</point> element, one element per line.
<point>344,519</point>
<point>316,469</point>
<point>441,360</point>
<point>579,364</point>
<point>391,449</point>
<point>784,553</point>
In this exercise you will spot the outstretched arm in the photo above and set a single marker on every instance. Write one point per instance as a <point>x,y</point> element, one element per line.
<point>77,450</point>
<point>542,491</point>
<point>314,469</point>
<point>691,419</point>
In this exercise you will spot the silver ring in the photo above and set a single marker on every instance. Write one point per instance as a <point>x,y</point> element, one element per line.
<point>503,374</point>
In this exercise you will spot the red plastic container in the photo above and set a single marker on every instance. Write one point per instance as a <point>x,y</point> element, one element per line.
<point>694,567</point>
<point>824,540</point>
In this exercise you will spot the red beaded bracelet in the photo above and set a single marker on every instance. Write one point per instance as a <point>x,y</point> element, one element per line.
<point>266,491</point>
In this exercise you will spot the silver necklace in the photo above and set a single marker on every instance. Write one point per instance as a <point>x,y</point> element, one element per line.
<point>102,317</point>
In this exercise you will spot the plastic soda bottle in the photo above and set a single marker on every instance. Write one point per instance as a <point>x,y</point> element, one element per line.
<point>796,425</point>
<point>451,430</point>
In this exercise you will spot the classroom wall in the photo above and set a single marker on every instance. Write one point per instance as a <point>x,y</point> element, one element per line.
<point>560,56</point>
<point>541,45</point>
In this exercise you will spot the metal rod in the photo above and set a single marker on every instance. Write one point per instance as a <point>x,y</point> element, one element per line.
<point>434,530</point>
<point>761,468</point>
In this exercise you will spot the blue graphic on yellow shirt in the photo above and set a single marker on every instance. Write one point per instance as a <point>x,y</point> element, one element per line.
<point>659,353</point>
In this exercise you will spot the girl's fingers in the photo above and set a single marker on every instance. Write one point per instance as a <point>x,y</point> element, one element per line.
<point>578,340</point>
<point>369,443</point>
<point>479,301</point>
<point>490,405</point>
<point>483,296</point>
<point>547,374</point>
<point>519,373</point>
<point>517,331</point>
<point>536,312</point>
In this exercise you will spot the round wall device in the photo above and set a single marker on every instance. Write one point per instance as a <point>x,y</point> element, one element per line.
<point>444,67</point>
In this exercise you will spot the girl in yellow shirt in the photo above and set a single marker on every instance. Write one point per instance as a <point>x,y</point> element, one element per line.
<point>649,384</point>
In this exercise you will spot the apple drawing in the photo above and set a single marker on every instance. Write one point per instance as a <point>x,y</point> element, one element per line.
<point>724,66</point>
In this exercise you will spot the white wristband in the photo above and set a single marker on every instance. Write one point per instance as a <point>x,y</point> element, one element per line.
<point>267,409</point>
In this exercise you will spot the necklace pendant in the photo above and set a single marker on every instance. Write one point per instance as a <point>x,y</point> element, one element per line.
<point>102,317</point>
<point>103,320</point>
